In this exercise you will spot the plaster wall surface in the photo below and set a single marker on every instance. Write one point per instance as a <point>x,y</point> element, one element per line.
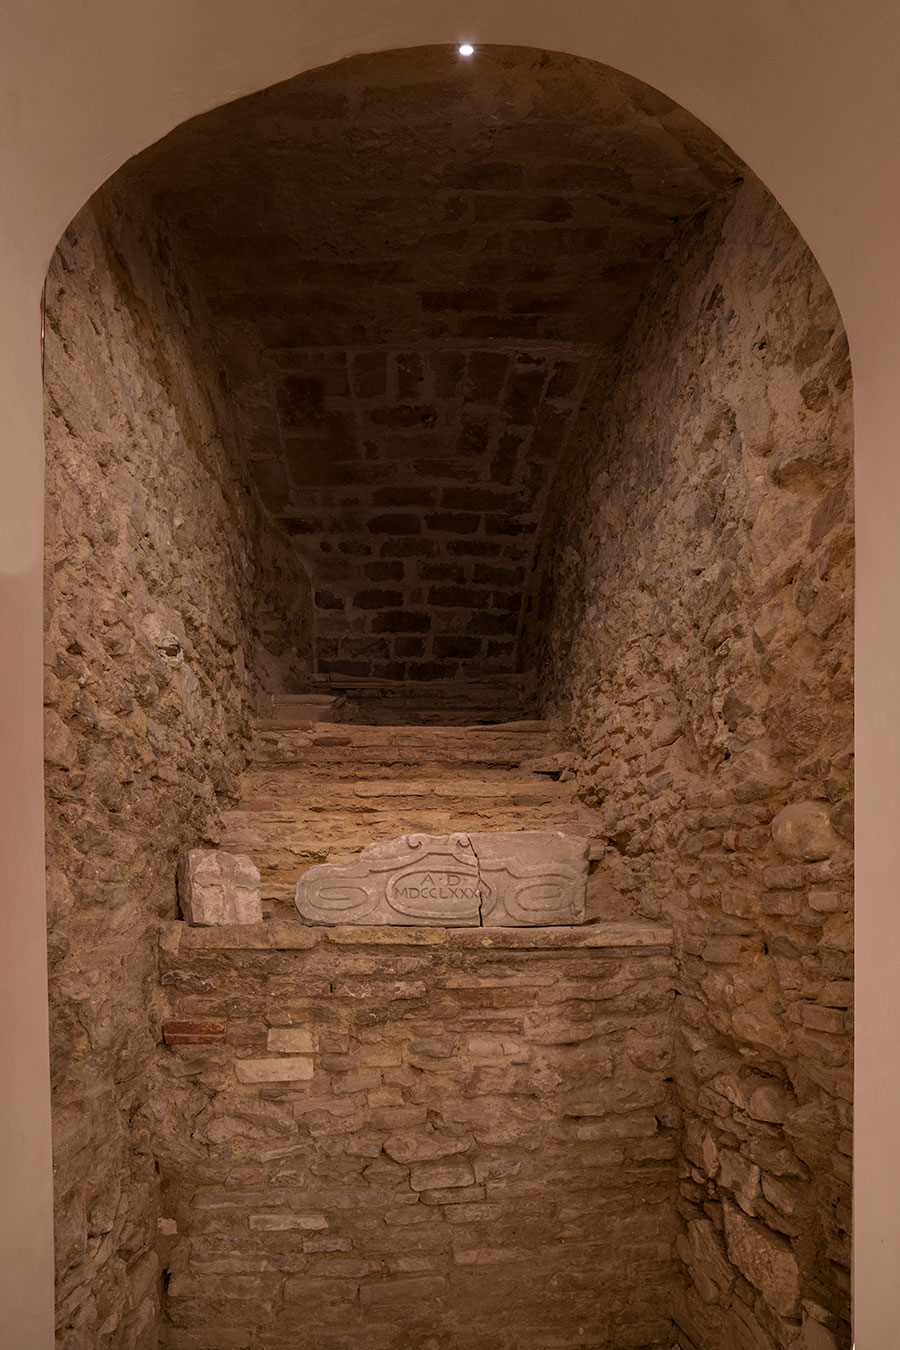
<point>168,598</point>
<point>696,640</point>
<point>85,89</point>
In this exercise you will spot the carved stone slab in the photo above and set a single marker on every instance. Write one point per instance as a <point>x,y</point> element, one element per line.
<point>218,888</point>
<point>505,879</point>
<point>532,877</point>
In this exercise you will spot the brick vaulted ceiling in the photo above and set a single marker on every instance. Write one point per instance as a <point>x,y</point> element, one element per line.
<point>416,266</point>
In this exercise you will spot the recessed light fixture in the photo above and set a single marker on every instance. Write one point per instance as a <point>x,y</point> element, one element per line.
<point>466,49</point>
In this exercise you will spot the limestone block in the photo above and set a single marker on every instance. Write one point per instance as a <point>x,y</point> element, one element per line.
<point>440,1176</point>
<point>765,1259</point>
<point>218,888</point>
<point>290,1040</point>
<point>804,830</point>
<point>507,878</point>
<point>701,1251</point>
<point>285,1070</point>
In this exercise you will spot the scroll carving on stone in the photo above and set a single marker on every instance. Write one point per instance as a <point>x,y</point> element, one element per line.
<point>509,878</point>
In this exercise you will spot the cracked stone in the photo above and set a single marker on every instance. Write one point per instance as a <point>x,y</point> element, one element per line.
<point>507,878</point>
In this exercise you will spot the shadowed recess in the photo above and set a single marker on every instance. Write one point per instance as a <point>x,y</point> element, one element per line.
<point>416,266</point>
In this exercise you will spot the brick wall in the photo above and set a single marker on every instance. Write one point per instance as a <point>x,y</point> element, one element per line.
<point>423,476</point>
<point>418,1138</point>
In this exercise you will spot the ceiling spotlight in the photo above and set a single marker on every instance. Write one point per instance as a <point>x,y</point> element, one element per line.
<point>466,49</point>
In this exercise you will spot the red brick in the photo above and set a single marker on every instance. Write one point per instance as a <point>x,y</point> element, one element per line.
<point>457,301</point>
<point>401,621</point>
<point>485,374</point>
<point>493,625</point>
<point>407,548</point>
<point>404,415</point>
<point>384,571</point>
<point>453,522</point>
<point>377,599</point>
<point>409,646</point>
<point>194,1033</point>
<point>410,374</point>
<point>395,524</point>
<point>328,600</point>
<point>368,373</point>
<point>458,597</point>
<point>461,647</point>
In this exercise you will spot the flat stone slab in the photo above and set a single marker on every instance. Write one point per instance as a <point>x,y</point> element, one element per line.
<point>512,878</point>
<point>218,888</point>
<point>177,938</point>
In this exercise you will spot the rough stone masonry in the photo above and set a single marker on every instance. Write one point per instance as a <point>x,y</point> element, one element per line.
<point>170,601</point>
<point>697,637</point>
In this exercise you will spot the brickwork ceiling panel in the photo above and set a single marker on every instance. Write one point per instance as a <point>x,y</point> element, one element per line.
<point>416,265</point>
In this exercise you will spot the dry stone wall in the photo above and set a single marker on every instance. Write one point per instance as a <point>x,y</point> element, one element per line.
<point>417,1139</point>
<point>697,645</point>
<point>170,600</point>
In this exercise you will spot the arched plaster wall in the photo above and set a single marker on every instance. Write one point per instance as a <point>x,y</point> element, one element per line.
<point>806,94</point>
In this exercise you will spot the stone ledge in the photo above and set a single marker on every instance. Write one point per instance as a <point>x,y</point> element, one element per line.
<point>288,935</point>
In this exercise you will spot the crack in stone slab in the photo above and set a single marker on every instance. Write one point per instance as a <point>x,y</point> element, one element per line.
<point>478,885</point>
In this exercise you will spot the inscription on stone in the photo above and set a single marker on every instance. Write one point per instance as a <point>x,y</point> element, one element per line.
<point>508,878</point>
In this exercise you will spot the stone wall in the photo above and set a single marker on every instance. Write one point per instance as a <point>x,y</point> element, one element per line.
<point>696,642</point>
<point>170,602</point>
<point>420,1138</point>
<point>419,478</point>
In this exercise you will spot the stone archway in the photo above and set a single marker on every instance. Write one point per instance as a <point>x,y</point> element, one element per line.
<point>831,141</point>
<point>436,290</point>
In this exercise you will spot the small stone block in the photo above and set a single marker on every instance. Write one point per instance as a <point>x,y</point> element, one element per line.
<point>290,1040</point>
<point>287,1223</point>
<point>218,888</point>
<point>193,1033</point>
<point>287,1070</point>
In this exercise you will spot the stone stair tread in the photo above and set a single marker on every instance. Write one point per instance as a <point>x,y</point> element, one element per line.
<point>310,737</point>
<point>315,790</point>
<point>360,730</point>
<point>273,854</point>
<point>272,779</point>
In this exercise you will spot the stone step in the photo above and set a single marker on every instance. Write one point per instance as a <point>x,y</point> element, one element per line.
<point>319,792</point>
<point>365,731</point>
<point>430,702</point>
<point>266,793</point>
<point>265,830</point>
<point>322,745</point>
<point>307,707</point>
<point>280,778</point>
